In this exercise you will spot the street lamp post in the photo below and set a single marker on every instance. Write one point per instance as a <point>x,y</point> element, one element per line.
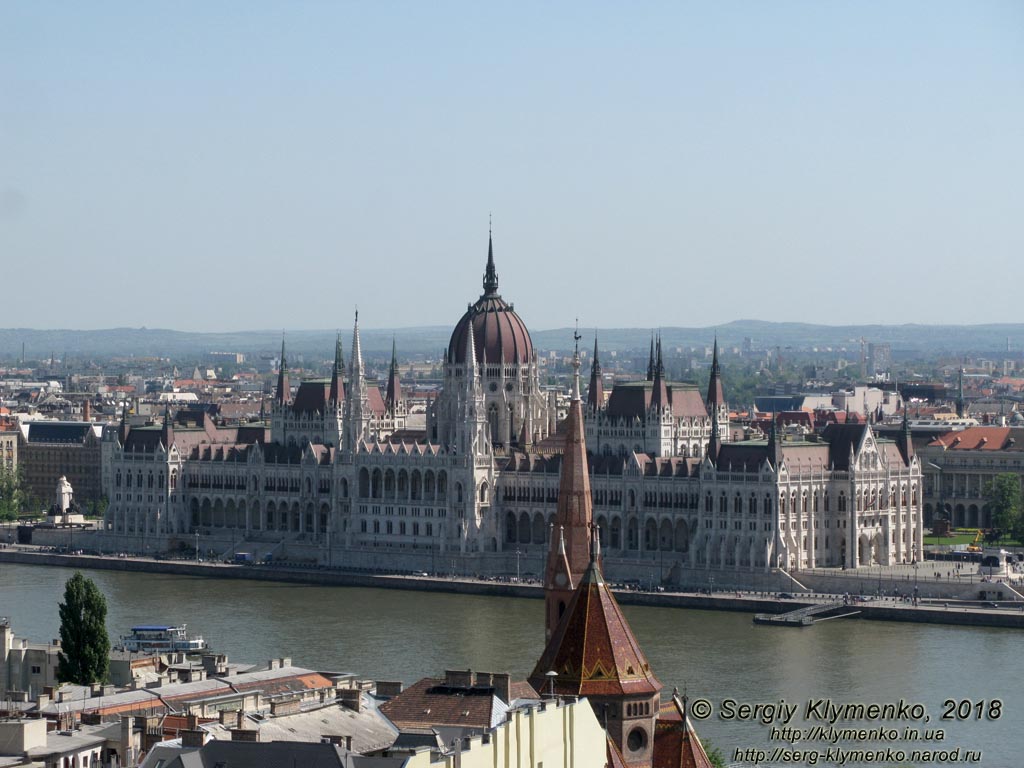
<point>197,545</point>
<point>518,553</point>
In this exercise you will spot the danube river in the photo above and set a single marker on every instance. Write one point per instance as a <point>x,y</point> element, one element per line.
<point>397,635</point>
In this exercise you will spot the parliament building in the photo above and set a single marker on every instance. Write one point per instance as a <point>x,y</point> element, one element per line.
<point>336,475</point>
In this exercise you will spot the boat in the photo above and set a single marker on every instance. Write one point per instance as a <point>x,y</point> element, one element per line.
<point>162,638</point>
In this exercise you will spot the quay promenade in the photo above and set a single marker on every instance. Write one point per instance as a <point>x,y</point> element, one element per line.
<point>1008,614</point>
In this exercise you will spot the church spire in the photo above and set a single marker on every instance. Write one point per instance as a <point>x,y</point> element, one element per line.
<point>574,513</point>
<point>490,273</point>
<point>650,360</point>
<point>576,366</point>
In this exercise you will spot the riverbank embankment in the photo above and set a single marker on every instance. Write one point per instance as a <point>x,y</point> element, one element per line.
<point>948,612</point>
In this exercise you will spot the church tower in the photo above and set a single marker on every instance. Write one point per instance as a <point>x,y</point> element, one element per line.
<point>568,549</point>
<point>593,653</point>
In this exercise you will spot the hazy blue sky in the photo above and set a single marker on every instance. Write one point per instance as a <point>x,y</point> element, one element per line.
<point>219,166</point>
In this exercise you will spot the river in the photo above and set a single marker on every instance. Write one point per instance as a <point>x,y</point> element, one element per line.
<point>397,635</point>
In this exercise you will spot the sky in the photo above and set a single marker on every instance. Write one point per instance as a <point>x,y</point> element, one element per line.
<point>242,165</point>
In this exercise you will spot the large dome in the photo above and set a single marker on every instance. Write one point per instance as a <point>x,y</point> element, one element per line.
<point>499,334</point>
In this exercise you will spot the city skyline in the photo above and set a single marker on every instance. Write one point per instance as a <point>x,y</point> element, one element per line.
<point>262,167</point>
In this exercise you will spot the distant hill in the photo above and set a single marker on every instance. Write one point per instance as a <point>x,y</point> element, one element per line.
<point>430,341</point>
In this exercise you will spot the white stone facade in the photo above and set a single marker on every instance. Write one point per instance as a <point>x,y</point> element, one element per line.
<point>328,477</point>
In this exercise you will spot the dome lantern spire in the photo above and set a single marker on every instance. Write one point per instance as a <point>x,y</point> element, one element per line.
<point>490,273</point>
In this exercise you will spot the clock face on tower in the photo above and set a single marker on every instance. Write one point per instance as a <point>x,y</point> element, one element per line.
<point>560,579</point>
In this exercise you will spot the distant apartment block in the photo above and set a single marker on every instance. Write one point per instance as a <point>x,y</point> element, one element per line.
<point>879,358</point>
<point>225,358</point>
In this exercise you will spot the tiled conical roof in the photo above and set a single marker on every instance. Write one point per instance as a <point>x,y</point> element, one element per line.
<point>593,650</point>
<point>676,744</point>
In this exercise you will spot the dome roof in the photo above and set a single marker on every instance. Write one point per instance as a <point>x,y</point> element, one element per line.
<point>499,334</point>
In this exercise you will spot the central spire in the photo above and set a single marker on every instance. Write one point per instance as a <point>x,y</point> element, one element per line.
<point>490,274</point>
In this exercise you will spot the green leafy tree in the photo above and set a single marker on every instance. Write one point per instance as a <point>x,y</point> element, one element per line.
<point>714,754</point>
<point>85,648</point>
<point>12,498</point>
<point>98,508</point>
<point>1003,497</point>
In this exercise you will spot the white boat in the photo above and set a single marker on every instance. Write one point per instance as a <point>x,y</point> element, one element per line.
<point>162,638</point>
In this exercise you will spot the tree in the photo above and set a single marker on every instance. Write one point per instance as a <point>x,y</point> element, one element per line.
<point>1003,497</point>
<point>12,498</point>
<point>85,648</point>
<point>714,754</point>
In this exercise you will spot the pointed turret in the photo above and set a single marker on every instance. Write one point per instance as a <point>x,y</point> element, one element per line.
<point>774,442</point>
<point>659,393</point>
<point>574,514</point>
<point>716,396</point>
<point>167,429</point>
<point>595,393</point>
<point>490,273</point>
<point>357,406</point>
<point>472,431</point>
<point>283,385</point>
<point>337,393</point>
<point>650,360</point>
<point>472,371</point>
<point>394,390</point>
<point>715,442</point>
<point>904,442</point>
<point>123,429</point>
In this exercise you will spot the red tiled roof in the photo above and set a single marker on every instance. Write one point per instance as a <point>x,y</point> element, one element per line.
<point>982,439</point>
<point>676,744</point>
<point>593,650</point>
